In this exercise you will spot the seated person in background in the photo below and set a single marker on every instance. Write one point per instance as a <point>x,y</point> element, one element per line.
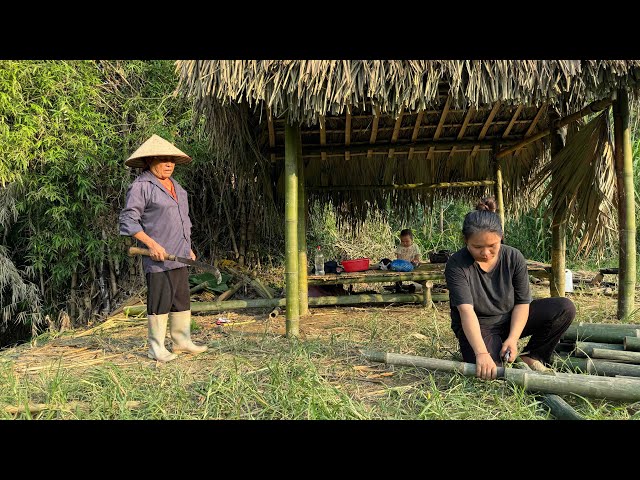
<point>407,250</point>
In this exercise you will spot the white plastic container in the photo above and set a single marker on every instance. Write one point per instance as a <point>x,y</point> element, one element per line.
<point>568,280</point>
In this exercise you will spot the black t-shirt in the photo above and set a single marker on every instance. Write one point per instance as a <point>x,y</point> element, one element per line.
<point>493,294</point>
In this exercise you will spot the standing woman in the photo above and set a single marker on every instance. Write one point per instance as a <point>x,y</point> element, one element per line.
<point>156,213</point>
<point>491,305</point>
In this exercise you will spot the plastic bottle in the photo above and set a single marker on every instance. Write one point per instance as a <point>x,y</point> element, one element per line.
<point>319,262</point>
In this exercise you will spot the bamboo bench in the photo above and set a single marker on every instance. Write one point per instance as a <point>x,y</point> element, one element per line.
<point>424,275</point>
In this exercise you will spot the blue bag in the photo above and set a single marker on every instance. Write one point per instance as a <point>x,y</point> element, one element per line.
<point>401,265</point>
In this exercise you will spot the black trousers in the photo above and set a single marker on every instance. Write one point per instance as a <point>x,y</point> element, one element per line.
<point>548,319</point>
<point>168,291</point>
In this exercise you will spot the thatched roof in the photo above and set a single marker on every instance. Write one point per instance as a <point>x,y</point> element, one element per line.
<point>379,123</point>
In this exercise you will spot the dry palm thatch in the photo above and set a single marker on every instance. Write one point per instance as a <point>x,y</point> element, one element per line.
<point>305,89</point>
<point>584,172</point>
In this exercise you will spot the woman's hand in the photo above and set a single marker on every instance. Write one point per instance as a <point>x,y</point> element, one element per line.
<point>158,253</point>
<point>511,345</point>
<point>485,366</point>
<point>192,255</point>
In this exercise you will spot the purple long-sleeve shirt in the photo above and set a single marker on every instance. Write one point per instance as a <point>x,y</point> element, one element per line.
<point>149,207</point>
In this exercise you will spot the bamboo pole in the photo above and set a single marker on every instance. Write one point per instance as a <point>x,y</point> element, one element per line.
<point>598,367</point>
<point>497,186</point>
<point>313,301</point>
<point>593,107</point>
<point>303,287</point>
<point>626,206</point>
<point>616,355</point>
<point>586,348</point>
<point>612,388</point>
<point>557,406</point>
<point>557,282</point>
<point>599,333</point>
<point>405,186</point>
<point>292,140</point>
<point>631,343</point>
<point>369,278</point>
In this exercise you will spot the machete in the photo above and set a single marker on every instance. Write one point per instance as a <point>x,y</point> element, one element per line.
<point>188,261</point>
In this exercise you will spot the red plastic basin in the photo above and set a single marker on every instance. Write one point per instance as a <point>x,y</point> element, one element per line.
<point>356,265</point>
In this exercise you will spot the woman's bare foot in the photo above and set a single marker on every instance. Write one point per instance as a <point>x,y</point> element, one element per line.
<point>535,365</point>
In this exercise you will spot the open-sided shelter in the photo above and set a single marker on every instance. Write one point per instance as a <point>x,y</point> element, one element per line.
<point>364,134</point>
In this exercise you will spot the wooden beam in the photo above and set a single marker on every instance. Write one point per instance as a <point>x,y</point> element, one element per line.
<point>463,128</point>
<point>513,121</point>
<point>347,131</point>
<point>436,135</point>
<point>416,131</point>
<point>593,107</point>
<point>323,135</point>
<point>408,186</point>
<point>374,129</point>
<point>406,145</point>
<point>487,124</point>
<point>396,130</point>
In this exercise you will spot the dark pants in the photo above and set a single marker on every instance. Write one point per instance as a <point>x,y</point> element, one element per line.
<point>168,291</point>
<point>548,319</point>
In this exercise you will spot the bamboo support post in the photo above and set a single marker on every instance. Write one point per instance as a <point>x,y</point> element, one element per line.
<point>626,205</point>
<point>586,348</point>
<point>612,388</point>
<point>598,367</point>
<point>313,302</point>
<point>599,333</point>
<point>303,287</point>
<point>631,343</point>
<point>292,141</point>
<point>616,355</point>
<point>557,282</point>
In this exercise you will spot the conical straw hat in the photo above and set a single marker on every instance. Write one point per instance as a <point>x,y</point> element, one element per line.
<point>156,147</point>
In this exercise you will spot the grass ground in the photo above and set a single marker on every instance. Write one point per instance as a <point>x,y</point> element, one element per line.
<point>252,371</point>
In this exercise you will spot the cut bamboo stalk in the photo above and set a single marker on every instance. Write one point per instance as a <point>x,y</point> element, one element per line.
<point>626,206</point>
<point>225,295</point>
<point>292,140</point>
<point>599,333</point>
<point>41,407</point>
<point>274,313</point>
<point>586,348</point>
<point>613,389</point>
<point>619,356</point>
<point>200,286</point>
<point>599,367</point>
<point>631,343</point>
<point>558,407</point>
<point>313,301</point>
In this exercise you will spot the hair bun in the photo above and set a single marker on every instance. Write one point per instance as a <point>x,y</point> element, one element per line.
<point>488,204</point>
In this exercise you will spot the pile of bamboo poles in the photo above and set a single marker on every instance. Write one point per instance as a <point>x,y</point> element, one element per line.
<point>622,389</point>
<point>604,349</point>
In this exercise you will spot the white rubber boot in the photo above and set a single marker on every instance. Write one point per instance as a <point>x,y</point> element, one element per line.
<point>181,333</point>
<point>157,334</point>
